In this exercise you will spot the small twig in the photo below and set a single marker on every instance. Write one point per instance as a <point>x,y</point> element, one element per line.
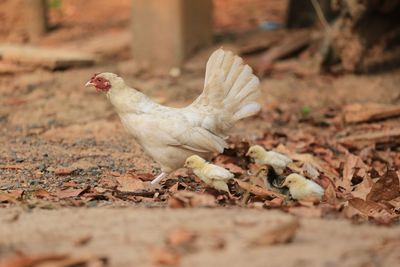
<point>140,193</point>
<point>320,14</point>
<point>11,167</point>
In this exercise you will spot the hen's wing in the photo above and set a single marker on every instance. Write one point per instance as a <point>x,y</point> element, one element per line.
<point>171,127</point>
<point>230,93</point>
<point>197,139</point>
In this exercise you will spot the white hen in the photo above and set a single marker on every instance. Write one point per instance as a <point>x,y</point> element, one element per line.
<point>170,135</point>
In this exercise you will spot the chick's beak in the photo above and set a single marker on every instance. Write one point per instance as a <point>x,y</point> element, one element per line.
<point>248,153</point>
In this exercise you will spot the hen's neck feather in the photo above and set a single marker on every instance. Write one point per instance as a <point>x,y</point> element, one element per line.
<point>129,100</point>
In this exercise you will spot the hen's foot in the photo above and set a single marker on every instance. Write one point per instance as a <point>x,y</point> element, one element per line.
<point>158,178</point>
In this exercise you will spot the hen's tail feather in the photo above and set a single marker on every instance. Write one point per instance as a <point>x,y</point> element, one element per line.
<point>213,63</point>
<point>231,91</point>
<point>247,110</point>
<point>240,87</point>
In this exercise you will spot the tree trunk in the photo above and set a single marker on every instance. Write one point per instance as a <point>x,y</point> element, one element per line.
<point>365,37</point>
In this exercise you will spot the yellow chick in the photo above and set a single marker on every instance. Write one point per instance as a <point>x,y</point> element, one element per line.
<point>302,189</point>
<point>213,175</point>
<point>261,157</point>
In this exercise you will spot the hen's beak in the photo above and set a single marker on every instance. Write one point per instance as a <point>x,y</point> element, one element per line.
<point>89,83</point>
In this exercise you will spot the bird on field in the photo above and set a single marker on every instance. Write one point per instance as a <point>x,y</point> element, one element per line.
<point>263,157</point>
<point>272,180</point>
<point>213,175</point>
<point>170,135</point>
<point>301,188</point>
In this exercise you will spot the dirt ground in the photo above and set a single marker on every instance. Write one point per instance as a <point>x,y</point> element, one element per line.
<point>60,141</point>
<point>129,237</point>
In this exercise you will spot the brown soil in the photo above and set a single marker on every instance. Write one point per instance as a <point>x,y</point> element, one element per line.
<point>128,237</point>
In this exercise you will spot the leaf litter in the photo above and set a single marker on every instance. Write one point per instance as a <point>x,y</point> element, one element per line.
<point>361,181</point>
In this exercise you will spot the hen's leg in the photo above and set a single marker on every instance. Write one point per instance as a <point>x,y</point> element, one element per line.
<point>159,178</point>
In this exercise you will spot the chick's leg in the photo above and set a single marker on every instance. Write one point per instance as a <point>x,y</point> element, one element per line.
<point>159,178</point>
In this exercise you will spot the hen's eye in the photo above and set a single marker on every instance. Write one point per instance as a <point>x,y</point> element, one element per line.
<point>98,79</point>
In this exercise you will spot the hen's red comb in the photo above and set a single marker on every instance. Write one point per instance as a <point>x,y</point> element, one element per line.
<point>94,75</point>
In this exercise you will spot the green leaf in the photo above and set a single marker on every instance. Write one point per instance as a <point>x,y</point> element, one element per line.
<point>54,4</point>
<point>305,110</point>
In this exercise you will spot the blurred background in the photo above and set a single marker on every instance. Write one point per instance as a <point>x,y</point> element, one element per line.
<point>340,36</point>
<point>330,77</point>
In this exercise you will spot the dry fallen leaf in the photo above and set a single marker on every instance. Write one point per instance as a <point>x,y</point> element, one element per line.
<point>180,237</point>
<point>383,137</point>
<point>228,163</point>
<point>362,189</point>
<point>129,183</point>
<point>64,171</point>
<point>31,261</point>
<point>69,184</point>
<point>184,199</point>
<point>173,189</point>
<point>41,193</point>
<point>394,204</point>
<point>386,188</point>
<point>350,163</point>
<point>14,101</point>
<point>11,196</point>
<point>330,194</point>
<point>356,113</point>
<point>71,192</point>
<point>274,203</point>
<point>141,175</point>
<point>348,170</point>
<point>320,165</point>
<point>310,171</point>
<point>11,167</point>
<point>55,261</point>
<point>258,191</point>
<point>164,257</point>
<point>284,233</point>
<point>373,210</point>
<point>107,182</point>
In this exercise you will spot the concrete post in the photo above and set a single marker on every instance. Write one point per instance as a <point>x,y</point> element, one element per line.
<point>166,32</point>
<point>35,12</point>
